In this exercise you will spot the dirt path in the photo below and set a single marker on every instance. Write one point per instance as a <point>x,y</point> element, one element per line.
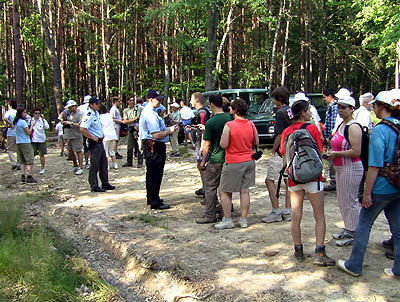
<point>164,254</point>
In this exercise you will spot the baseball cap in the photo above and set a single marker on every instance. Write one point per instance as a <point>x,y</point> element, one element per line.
<point>347,101</point>
<point>343,93</point>
<point>154,94</point>
<point>176,105</point>
<point>70,103</point>
<point>384,97</point>
<point>94,99</point>
<point>366,96</point>
<point>86,99</point>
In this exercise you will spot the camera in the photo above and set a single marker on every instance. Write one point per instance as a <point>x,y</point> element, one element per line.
<point>325,156</point>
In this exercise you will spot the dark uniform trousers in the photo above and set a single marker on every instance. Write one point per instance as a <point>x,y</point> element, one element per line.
<point>155,161</point>
<point>98,164</point>
<point>133,145</point>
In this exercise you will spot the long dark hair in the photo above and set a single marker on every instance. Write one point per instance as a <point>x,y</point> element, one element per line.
<point>18,116</point>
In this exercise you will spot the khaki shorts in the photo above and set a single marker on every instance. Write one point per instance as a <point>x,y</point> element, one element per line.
<point>39,148</point>
<point>235,177</point>
<point>11,144</point>
<point>109,147</point>
<point>25,154</point>
<point>61,139</point>
<point>274,166</point>
<point>310,187</point>
<point>75,144</point>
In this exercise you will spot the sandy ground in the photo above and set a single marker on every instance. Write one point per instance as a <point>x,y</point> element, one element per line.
<point>163,255</point>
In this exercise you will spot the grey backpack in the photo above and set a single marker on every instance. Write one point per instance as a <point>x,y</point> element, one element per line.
<point>302,156</point>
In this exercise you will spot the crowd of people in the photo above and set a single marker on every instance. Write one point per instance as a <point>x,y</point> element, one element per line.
<point>224,140</point>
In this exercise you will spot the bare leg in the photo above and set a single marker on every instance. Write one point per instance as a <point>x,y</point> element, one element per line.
<point>272,193</point>
<point>73,157</point>
<point>226,200</point>
<point>287,196</point>
<point>80,159</point>
<point>244,202</point>
<point>42,161</point>
<point>297,213</point>
<point>23,167</point>
<point>317,202</point>
<point>29,168</point>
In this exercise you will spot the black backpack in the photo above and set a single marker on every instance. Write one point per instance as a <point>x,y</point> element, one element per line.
<point>364,143</point>
<point>392,171</point>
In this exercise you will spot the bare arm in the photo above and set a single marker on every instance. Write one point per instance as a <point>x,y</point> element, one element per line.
<point>355,137</point>
<point>276,143</point>
<point>226,133</point>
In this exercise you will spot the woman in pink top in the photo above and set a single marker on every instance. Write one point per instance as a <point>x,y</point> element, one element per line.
<point>349,170</point>
<point>238,173</point>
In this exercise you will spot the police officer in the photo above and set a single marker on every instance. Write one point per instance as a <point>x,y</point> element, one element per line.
<point>154,135</point>
<point>92,129</point>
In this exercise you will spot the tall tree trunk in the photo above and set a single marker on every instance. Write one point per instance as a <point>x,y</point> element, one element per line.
<point>167,77</point>
<point>273,53</point>
<point>213,18</point>
<point>284,66</point>
<point>230,57</point>
<point>105,46</point>
<point>302,41</point>
<point>18,56</point>
<point>135,48</point>
<point>55,62</point>
<point>322,63</point>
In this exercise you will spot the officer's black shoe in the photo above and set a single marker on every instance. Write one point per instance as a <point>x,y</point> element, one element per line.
<point>162,206</point>
<point>127,165</point>
<point>98,189</point>
<point>108,187</point>
<point>118,156</point>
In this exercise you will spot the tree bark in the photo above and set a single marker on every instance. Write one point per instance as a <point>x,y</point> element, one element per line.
<point>18,56</point>
<point>167,77</point>
<point>284,66</point>
<point>273,53</point>
<point>213,18</point>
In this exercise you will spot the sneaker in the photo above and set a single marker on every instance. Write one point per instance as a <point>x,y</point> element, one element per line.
<point>115,165</point>
<point>79,171</point>
<point>388,244</point>
<point>127,165</point>
<point>14,167</point>
<point>206,219</point>
<point>199,192</point>
<point>345,234</point>
<point>272,217</point>
<point>243,222</point>
<point>30,179</point>
<point>330,188</point>
<point>41,171</point>
<point>287,216</point>
<point>23,178</point>
<point>87,166</point>
<point>322,259</point>
<point>118,156</point>
<point>345,242</point>
<point>225,224</point>
<point>298,253</point>
<point>74,169</point>
<point>174,154</point>
<point>388,271</point>
<point>341,264</point>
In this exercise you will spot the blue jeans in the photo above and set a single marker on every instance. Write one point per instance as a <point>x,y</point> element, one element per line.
<point>390,203</point>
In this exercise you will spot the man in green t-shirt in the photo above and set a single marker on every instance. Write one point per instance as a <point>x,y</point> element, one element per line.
<point>210,148</point>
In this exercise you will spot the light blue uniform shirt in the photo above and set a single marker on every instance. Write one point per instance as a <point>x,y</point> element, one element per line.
<point>91,121</point>
<point>382,148</point>
<point>150,122</point>
<point>20,136</point>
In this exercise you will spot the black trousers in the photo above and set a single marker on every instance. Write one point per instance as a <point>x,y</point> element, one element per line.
<point>98,164</point>
<point>155,162</point>
<point>133,148</point>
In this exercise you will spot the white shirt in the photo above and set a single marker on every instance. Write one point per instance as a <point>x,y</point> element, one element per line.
<point>39,135</point>
<point>59,128</point>
<point>186,113</point>
<point>10,115</point>
<point>114,111</point>
<point>83,108</point>
<point>108,127</point>
<point>363,116</point>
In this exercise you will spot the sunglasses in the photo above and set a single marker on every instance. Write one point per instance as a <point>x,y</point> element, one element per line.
<point>36,113</point>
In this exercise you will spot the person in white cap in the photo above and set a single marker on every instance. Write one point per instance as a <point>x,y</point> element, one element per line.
<point>379,194</point>
<point>84,108</point>
<point>71,122</point>
<point>363,115</point>
<point>345,156</point>
<point>176,119</point>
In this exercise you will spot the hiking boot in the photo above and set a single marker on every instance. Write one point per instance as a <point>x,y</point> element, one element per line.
<point>30,180</point>
<point>206,219</point>
<point>298,253</point>
<point>389,272</point>
<point>388,244</point>
<point>345,234</point>
<point>321,258</point>
<point>225,224</point>
<point>199,192</point>
<point>330,188</point>
<point>390,255</point>
<point>243,222</point>
<point>23,178</point>
<point>341,264</point>
<point>287,216</point>
<point>272,217</point>
<point>345,242</point>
